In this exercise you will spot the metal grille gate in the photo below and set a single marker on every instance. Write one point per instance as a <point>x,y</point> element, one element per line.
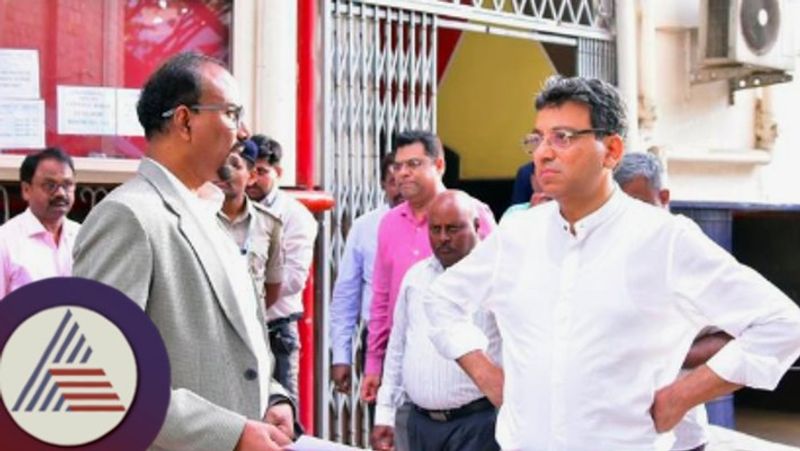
<point>379,77</point>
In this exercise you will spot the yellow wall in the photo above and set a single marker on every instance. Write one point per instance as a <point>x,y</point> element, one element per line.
<point>485,102</point>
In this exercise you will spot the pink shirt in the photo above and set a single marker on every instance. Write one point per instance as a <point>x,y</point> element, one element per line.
<point>402,241</point>
<point>29,253</point>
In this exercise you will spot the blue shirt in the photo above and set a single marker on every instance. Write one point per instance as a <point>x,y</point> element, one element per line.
<point>352,293</point>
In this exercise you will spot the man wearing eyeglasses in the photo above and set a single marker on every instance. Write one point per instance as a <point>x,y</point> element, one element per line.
<point>598,298</point>
<point>402,241</point>
<point>158,241</point>
<point>37,243</point>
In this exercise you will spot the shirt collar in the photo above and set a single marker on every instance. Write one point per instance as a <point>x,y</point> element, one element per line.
<point>206,204</point>
<point>406,212</point>
<point>243,216</point>
<point>435,265</point>
<point>608,210</point>
<point>31,224</point>
<point>271,196</point>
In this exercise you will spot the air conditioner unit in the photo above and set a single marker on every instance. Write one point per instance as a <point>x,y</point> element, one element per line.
<point>754,33</point>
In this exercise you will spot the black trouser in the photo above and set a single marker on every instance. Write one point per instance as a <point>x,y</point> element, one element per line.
<point>473,432</point>
<point>284,342</point>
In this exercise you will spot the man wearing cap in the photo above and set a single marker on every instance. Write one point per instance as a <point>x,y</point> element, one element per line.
<point>297,250</point>
<point>256,231</point>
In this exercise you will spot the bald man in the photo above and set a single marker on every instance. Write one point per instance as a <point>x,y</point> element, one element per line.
<point>449,411</point>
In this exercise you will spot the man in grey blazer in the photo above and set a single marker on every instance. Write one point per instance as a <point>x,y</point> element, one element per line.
<point>158,242</point>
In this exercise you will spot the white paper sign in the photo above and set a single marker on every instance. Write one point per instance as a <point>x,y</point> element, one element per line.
<point>84,110</point>
<point>308,443</point>
<point>21,124</point>
<point>127,119</point>
<point>19,73</point>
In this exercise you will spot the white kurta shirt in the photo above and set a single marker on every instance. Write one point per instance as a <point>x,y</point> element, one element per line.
<point>594,323</point>
<point>413,367</point>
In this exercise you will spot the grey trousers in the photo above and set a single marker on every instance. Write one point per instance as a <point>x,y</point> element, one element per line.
<point>401,427</point>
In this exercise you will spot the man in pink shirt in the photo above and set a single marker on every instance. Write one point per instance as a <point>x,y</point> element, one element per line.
<point>403,239</point>
<point>37,243</point>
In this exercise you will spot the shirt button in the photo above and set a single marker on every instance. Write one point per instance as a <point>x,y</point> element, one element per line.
<point>250,374</point>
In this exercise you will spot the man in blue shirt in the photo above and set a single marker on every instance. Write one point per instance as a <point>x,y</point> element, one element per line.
<point>352,293</point>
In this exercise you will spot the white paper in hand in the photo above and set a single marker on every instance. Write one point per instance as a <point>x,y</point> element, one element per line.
<point>309,443</point>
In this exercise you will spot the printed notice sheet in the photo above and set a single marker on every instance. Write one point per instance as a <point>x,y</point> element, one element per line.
<point>127,120</point>
<point>19,74</point>
<point>21,124</point>
<point>84,110</point>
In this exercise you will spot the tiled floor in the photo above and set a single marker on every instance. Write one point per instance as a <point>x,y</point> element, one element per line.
<point>776,426</point>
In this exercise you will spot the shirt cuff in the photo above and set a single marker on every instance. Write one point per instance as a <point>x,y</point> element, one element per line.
<point>736,365</point>
<point>728,364</point>
<point>384,415</point>
<point>458,340</point>
<point>341,356</point>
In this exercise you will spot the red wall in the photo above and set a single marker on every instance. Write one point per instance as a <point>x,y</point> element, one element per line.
<point>111,43</point>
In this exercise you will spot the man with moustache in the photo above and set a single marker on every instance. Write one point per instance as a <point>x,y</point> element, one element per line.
<point>37,243</point>
<point>598,298</point>
<point>298,235</point>
<point>403,239</point>
<point>256,231</point>
<point>155,240</point>
<point>449,411</point>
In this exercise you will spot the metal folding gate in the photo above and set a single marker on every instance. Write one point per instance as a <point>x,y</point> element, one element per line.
<point>379,77</point>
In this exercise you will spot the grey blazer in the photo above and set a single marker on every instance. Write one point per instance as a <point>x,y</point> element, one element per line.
<point>143,240</point>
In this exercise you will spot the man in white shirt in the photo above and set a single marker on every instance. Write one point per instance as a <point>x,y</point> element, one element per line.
<point>352,292</point>
<point>598,298</point>
<point>37,243</point>
<point>449,411</point>
<point>297,250</point>
<point>641,176</point>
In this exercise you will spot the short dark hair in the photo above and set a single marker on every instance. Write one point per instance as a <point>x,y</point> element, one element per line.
<point>386,166</point>
<point>176,82</point>
<point>432,145</point>
<point>268,149</point>
<point>606,109</point>
<point>31,162</point>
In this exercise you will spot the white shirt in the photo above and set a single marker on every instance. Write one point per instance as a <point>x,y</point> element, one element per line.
<point>692,431</point>
<point>412,366</point>
<point>352,293</point>
<point>593,324</point>
<point>297,250</point>
<point>205,211</point>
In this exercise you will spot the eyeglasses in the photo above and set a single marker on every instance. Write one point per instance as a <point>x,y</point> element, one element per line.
<point>52,187</point>
<point>411,164</point>
<point>559,138</point>
<point>232,111</point>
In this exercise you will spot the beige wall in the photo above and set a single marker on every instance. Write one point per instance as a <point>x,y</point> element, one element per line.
<point>710,144</point>
<point>485,102</point>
